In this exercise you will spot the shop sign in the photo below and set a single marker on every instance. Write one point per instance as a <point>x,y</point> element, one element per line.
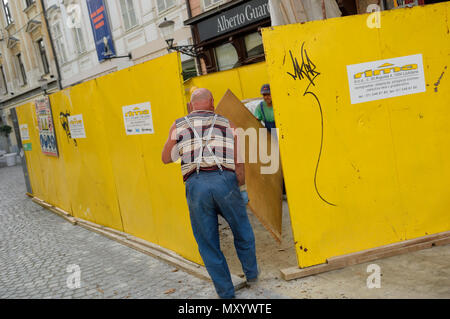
<point>233,19</point>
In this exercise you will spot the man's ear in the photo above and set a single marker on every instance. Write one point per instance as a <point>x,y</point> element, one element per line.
<point>189,107</point>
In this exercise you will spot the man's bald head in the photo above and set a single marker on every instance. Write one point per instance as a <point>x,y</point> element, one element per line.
<point>202,99</point>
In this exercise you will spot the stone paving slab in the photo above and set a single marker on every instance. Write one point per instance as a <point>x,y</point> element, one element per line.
<point>37,247</point>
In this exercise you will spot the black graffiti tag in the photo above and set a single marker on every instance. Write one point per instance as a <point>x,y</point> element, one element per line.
<point>63,118</point>
<point>308,70</point>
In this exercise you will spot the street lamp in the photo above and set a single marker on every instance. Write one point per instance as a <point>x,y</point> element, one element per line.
<point>167,28</point>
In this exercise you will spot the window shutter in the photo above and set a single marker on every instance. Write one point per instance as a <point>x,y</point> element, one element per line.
<point>131,14</point>
<point>126,20</point>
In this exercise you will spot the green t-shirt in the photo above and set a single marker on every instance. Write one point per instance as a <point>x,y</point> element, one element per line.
<point>268,112</point>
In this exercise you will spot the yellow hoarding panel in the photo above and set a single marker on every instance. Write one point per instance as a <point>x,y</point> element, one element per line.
<point>47,173</point>
<point>363,114</point>
<point>218,83</point>
<point>103,173</point>
<point>245,82</point>
<point>54,172</point>
<point>26,115</point>
<point>251,78</point>
<point>150,194</point>
<point>93,195</point>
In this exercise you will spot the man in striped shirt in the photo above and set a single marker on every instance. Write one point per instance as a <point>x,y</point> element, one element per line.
<point>215,184</point>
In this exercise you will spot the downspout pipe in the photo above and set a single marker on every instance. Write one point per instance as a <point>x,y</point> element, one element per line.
<point>58,72</point>
<point>188,5</point>
<point>198,64</point>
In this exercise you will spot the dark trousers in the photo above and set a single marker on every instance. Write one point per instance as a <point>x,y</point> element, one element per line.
<point>209,193</point>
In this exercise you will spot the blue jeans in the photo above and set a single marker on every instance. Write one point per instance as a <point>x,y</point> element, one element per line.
<point>208,194</point>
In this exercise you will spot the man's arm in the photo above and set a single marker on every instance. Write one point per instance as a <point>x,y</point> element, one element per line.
<point>170,143</point>
<point>238,165</point>
<point>257,113</point>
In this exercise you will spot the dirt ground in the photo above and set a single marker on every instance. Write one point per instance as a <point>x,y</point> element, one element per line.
<point>271,255</point>
<point>421,274</point>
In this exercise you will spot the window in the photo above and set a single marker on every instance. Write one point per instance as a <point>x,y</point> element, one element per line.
<point>29,2</point>
<point>59,43</point>
<point>43,55</point>
<point>79,40</point>
<point>254,45</point>
<point>189,69</point>
<point>3,85</point>
<point>209,3</point>
<point>128,14</point>
<point>164,4</point>
<point>9,19</point>
<point>22,71</point>
<point>226,56</point>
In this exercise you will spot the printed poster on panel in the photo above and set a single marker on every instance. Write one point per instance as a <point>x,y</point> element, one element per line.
<point>47,135</point>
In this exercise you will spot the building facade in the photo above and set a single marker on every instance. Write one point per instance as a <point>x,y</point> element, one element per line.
<point>133,28</point>
<point>27,63</point>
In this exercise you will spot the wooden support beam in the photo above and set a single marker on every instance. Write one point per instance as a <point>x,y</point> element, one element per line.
<point>55,210</point>
<point>363,256</point>
<point>156,251</point>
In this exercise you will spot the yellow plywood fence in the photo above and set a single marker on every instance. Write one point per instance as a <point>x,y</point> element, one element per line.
<point>110,177</point>
<point>364,117</point>
<point>363,114</point>
<point>118,180</point>
<point>245,82</point>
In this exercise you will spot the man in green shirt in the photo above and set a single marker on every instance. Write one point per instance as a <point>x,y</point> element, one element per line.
<point>264,111</point>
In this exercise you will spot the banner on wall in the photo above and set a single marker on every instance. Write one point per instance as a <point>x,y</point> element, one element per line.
<point>47,135</point>
<point>101,29</point>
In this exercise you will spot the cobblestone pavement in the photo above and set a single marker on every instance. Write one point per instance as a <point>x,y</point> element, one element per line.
<point>37,247</point>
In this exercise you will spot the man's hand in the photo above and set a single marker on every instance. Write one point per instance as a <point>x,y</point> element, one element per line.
<point>244,196</point>
<point>168,147</point>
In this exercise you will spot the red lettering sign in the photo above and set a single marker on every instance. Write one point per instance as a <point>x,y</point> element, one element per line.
<point>97,19</point>
<point>99,25</point>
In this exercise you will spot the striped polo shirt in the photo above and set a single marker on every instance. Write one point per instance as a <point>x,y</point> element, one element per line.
<point>188,146</point>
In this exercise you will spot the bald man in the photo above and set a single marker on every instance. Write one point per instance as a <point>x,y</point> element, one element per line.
<point>215,184</point>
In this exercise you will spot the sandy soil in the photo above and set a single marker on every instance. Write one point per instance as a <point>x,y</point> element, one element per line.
<point>271,255</point>
<point>420,274</point>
